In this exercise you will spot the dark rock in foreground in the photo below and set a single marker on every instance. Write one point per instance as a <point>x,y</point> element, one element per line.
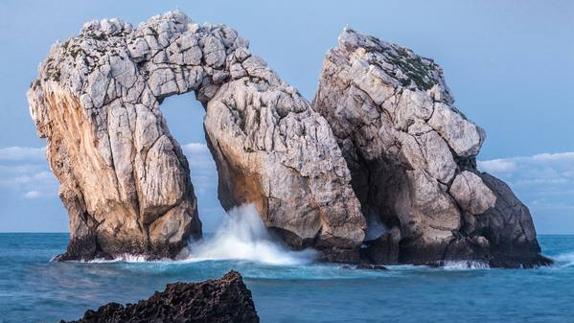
<point>221,300</point>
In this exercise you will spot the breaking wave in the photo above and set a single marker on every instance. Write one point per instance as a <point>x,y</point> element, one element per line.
<point>243,236</point>
<point>565,259</point>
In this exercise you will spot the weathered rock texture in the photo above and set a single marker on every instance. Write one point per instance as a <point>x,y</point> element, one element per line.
<point>222,300</point>
<point>383,158</point>
<point>412,156</point>
<point>124,179</point>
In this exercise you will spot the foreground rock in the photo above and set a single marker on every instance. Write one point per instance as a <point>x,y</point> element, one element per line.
<point>412,156</point>
<point>218,301</point>
<point>124,179</point>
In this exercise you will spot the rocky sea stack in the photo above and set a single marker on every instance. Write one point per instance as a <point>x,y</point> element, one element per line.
<point>380,169</point>
<point>223,300</point>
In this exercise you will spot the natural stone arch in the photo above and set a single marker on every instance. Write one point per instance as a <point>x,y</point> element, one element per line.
<point>124,179</point>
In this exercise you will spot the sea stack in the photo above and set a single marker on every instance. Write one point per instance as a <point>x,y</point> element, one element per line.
<point>412,156</point>
<point>380,169</point>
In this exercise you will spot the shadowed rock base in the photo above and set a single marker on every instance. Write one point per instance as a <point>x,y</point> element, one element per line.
<point>221,300</point>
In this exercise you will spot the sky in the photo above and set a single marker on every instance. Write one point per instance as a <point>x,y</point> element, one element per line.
<point>509,63</point>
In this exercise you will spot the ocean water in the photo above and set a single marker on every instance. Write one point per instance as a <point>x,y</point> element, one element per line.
<point>287,287</point>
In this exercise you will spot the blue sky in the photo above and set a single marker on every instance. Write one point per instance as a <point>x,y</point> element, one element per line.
<point>510,64</point>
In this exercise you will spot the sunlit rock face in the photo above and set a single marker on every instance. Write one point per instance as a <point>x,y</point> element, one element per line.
<point>125,181</point>
<point>412,156</point>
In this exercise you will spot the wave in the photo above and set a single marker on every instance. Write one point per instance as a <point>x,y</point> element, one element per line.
<point>243,236</point>
<point>124,258</point>
<point>565,259</point>
<point>465,265</point>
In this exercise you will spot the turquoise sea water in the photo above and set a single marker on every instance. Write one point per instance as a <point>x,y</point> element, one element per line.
<point>33,289</point>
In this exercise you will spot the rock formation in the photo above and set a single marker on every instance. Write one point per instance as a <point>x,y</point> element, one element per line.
<point>382,167</point>
<point>222,300</point>
<point>123,178</point>
<point>412,156</point>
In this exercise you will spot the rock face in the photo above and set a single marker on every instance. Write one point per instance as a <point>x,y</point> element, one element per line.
<point>124,179</point>
<point>381,169</point>
<point>220,301</point>
<point>412,156</point>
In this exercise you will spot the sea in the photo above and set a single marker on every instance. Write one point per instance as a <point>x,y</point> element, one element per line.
<point>287,286</point>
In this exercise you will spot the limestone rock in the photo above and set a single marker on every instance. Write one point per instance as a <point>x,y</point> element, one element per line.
<point>223,300</point>
<point>124,179</point>
<point>411,154</point>
<point>382,144</point>
<point>471,193</point>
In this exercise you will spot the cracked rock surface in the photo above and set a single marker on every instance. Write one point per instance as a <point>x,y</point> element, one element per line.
<point>123,177</point>
<point>412,156</point>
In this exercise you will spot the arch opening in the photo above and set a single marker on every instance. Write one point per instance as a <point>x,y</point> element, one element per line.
<point>185,115</point>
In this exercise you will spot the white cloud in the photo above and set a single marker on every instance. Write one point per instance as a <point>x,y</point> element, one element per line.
<point>544,182</point>
<point>22,154</point>
<point>558,157</point>
<point>25,171</point>
<point>195,148</point>
<point>497,166</point>
<point>33,194</point>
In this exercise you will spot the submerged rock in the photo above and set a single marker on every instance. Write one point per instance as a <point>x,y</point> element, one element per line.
<point>124,179</point>
<point>222,300</point>
<point>412,156</point>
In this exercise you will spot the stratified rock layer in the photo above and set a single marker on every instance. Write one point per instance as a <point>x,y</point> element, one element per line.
<point>222,300</point>
<point>124,179</point>
<point>411,154</point>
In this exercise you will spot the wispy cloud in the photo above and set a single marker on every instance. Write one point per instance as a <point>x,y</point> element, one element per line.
<point>33,194</point>
<point>552,169</point>
<point>25,172</point>
<point>544,182</point>
<point>22,153</point>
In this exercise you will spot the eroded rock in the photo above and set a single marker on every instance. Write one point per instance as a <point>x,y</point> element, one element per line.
<point>124,179</point>
<point>412,156</point>
<point>383,145</point>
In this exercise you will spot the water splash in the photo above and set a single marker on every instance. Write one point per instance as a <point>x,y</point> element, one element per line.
<point>243,236</point>
<point>565,259</point>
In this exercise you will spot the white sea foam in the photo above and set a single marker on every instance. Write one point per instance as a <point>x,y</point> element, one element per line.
<point>243,236</point>
<point>565,259</point>
<point>465,265</point>
<point>129,258</point>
